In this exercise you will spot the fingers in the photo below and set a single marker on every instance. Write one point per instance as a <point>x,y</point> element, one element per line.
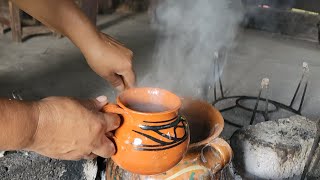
<point>75,155</point>
<point>121,80</point>
<point>105,149</point>
<point>128,77</point>
<point>124,80</point>
<point>90,156</point>
<point>111,122</point>
<point>95,104</point>
<point>116,81</point>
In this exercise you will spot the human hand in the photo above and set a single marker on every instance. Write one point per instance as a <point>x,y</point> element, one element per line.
<point>112,61</point>
<point>107,57</point>
<point>71,129</point>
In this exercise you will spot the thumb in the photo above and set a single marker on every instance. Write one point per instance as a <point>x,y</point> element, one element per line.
<point>95,104</point>
<point>116,81</point>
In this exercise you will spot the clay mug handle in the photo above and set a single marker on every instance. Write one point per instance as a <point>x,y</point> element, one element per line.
<point>224,152</point>
<point>113,108</point>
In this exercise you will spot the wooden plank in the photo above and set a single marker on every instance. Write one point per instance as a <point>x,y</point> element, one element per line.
<point>15,22</point>
<point>35,30</point>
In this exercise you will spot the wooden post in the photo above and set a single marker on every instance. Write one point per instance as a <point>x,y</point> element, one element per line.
<point>15,22</point>
<point>105,6</point>
<point>90,8</point>
<point>109,4</point>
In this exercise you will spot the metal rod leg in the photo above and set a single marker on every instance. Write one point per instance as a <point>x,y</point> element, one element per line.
<point>255,108</point>
<point>264,84</point>
<point>220,84</point>
<point>305,67</point>
<point>302,98</point>
<point>297,90</point>
<point>214,85</point>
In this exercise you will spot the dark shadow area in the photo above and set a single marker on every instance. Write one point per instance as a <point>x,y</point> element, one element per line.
<point>6,30</point>
<point>101,168</point>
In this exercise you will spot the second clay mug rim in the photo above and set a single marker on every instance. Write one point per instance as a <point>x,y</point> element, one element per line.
<point>218,126</point>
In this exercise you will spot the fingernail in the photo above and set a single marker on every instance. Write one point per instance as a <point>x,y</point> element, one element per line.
<point>102,99</point>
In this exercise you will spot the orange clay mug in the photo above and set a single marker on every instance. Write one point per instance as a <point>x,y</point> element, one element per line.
<point>207,154</point>
<point>153,137</point>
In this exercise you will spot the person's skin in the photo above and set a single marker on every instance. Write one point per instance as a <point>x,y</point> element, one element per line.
<point>58,127</point>
<point>106,57</point>
<point>62,127</point>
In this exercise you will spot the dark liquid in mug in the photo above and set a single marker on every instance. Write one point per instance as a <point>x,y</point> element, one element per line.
<point>148,108</point>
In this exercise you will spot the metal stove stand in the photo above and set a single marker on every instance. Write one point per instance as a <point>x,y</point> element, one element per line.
<point>264,88</point>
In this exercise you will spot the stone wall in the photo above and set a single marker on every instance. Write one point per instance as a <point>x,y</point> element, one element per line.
<point>295,24</point>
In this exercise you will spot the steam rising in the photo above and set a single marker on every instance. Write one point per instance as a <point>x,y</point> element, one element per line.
<point>189,34</point>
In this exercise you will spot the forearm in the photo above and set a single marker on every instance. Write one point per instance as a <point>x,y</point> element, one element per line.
<point>18,124</point>
<point>108,58</point>
<point>63,16</point>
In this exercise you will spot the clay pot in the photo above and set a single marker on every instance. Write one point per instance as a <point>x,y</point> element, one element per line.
<point>207,154</point>
<point>153,137</point>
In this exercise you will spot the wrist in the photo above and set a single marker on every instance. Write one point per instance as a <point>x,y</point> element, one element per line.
<point>85,38</point>
<point>83,33</point>
<point>94,48</point>
<point>32,128</point>
<point>18,122</point>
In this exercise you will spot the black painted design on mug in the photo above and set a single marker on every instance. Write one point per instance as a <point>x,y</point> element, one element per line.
<point>158,122</point>
<point>175,123</point>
